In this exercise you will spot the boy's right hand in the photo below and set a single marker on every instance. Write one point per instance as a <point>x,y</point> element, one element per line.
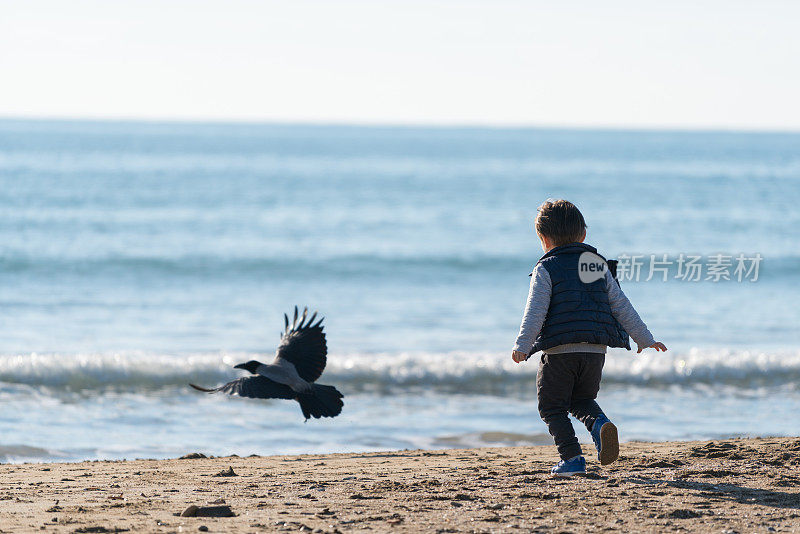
<point>660,347</point>
<point>518,356</point>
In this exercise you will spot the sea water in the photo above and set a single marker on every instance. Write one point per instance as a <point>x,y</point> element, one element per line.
<point>138,257</point>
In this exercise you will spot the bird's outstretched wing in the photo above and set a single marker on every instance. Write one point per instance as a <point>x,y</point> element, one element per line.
<point>303,344</point>
<point>254,387</point>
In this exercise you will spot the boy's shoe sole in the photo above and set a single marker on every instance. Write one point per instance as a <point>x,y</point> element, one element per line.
<point>567,475</point>
<point>609,444</point>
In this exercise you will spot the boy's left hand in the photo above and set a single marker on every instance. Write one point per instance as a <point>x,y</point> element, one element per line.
<point>660,347</point>
<point>518,356</point>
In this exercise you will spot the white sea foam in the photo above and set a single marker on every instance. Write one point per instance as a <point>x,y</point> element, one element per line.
<point>461,371</point>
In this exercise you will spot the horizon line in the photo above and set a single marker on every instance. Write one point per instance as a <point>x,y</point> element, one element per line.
<point>455,125</point>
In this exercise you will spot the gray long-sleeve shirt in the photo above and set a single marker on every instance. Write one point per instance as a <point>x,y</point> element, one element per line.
<point>539,303</point>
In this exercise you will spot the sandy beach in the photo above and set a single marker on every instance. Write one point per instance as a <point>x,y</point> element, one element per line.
<point>747,485</point>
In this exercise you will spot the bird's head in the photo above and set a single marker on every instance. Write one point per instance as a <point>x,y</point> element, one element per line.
<point>250,366</point>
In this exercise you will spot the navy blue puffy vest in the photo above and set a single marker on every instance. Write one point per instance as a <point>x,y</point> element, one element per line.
<point>579,312</point>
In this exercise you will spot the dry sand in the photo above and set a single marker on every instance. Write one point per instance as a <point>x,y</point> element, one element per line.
<point>749,485</point>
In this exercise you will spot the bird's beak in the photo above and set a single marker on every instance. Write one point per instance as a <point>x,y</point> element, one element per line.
<point>240,366</point>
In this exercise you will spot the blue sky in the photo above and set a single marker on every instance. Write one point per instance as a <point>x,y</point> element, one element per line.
<point>711,64</point>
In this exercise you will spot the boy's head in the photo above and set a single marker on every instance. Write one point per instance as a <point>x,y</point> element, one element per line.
<point>559,222</point>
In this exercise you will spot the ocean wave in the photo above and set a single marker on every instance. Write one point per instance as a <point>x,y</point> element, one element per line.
<point>461,372</point>
<point>288,264</point>
<point>285,264</point>
<point>129,370</point>
<point>491,372</point>
<point>20,453</point>
<point>488,439</point>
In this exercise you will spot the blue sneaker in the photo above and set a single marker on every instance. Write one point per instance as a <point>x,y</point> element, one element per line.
<point>604,435</point>
<point>567,468</point>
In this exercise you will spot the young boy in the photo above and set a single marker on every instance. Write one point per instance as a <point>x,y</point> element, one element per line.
<point>572,317</point>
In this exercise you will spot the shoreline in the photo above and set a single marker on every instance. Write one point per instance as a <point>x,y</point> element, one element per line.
<point>741,485</point>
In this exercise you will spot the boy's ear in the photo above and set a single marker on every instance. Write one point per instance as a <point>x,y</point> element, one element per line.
<point>583,237</point>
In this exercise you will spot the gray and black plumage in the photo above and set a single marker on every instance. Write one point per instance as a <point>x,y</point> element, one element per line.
<point>299,362</point>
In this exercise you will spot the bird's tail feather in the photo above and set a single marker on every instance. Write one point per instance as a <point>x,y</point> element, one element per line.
<point>324,401</point>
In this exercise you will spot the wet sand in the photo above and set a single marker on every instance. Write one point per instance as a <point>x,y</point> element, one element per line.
<point>748,485</point>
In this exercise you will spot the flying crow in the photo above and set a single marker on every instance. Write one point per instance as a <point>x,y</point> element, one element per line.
<point>299,362</point>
